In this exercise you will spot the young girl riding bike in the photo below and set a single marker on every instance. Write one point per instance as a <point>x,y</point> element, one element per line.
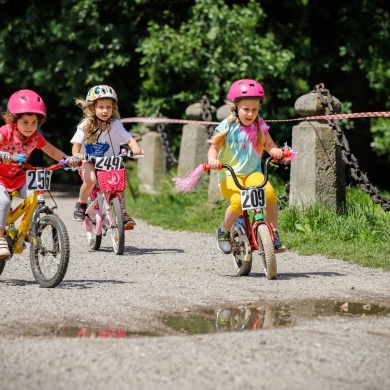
<point>239,141</point>
<point>26,112</point>
<point>99,134</point>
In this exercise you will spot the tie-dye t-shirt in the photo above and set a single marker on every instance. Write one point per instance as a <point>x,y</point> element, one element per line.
<point>240,149</point>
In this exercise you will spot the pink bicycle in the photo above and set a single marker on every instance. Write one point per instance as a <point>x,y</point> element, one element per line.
<point>104,213</point>
<point>250,234</point>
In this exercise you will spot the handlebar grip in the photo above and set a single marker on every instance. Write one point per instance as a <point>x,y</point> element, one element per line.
<point>286,153</point>
<point>206,167</point>
<point>18,158</point>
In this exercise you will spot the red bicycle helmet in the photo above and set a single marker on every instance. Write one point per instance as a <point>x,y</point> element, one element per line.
<point>245,88</point>
<point>26,101</point>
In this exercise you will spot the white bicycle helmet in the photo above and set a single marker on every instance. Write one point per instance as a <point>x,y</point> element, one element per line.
<point>101,92</point>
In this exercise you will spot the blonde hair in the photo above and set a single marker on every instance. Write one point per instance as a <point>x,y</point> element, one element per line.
<point>92,122</point>
<point>233,117</point>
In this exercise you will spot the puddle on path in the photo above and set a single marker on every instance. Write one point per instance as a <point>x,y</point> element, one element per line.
<point>225,319</point>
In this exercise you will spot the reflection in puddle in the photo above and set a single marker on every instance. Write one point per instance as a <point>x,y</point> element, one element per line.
<point>225,319</point>
<point>267,316</point>
<point>93,333</point>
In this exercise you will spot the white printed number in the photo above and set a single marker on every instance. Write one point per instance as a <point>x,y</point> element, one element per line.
<point>38,180</point>
<point>253,198</point>
<point>108,163</point>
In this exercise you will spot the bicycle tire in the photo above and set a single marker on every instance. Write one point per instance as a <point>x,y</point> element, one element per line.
<point>241,250</point>
<point>2,265</point>
<point>267,251</point>
<point>50,251</point>
<point>94,240</point>
<point>117,226</point>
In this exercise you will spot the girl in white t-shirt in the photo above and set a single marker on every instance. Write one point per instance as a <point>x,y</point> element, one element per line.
<point>99,134</point>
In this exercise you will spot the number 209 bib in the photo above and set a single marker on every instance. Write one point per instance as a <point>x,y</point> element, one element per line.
<point>253,198</point>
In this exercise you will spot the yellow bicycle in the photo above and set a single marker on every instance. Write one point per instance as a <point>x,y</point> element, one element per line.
<point>41,227</point>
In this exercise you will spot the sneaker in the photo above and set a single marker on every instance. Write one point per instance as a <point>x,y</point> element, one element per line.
<point>128,222</point>
<point>4,250</point>
<point>279,247</point>
<point>79,211</point>
<point>223,241</point>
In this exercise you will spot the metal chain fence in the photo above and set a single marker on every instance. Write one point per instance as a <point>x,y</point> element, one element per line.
<point>349,159</point>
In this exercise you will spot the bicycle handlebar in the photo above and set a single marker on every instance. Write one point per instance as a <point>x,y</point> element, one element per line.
<point>59,165</point>
<point>123,153</point>
<point>286,154</point>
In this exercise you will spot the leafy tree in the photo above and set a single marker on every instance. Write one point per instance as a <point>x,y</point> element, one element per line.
<point>216,45</point>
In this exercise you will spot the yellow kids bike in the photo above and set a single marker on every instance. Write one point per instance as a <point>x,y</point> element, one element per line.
<point>39,226</point>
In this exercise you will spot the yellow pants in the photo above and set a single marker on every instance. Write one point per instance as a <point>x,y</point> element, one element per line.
<point>231,192</point>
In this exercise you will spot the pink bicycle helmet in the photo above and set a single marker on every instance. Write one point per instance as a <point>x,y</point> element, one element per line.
<point>26,101</point>
<point>245,88</point>
<point>101,92</point>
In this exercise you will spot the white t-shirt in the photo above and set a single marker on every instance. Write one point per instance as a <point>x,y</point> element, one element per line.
<point>108,143</point>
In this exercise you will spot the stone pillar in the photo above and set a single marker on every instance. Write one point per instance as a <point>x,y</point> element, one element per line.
<point>194,145</point>
<point>214,194</point>
<point>152,168</point>
<point>318,174</point>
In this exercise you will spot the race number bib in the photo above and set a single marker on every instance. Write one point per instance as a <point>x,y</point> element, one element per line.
<point>108,163</point>
<point>38,180</point>
<point>254,198</point>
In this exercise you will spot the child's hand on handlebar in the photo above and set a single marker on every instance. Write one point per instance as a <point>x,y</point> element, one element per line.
<point>276,153</point>
<point>214,164</point>
<point>5,158</point>
<point>137,151</point>
<point>74,161</point>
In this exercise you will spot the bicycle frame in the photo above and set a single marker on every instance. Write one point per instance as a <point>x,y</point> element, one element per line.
<point>258,217</point>
<point>46,232</point>
<point>26,209</point>
<point>105,211</point>
<point>99,207</point>
<point>251,227</point>
<point>254,233</point>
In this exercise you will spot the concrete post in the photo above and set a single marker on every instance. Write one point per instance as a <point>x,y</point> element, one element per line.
<point>318,174</point>
<point>214,194</point>
<point>194,145</point>
<point>152,168</point>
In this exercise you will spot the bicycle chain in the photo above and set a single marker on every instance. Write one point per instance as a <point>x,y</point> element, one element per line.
<point>349,159</point>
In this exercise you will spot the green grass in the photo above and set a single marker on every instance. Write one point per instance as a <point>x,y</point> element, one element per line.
<point>361,235</point>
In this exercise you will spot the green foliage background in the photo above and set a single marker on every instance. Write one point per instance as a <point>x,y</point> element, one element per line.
<point>164,55</point>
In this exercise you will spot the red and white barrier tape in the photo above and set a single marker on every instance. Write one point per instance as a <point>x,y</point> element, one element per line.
<point>382,114</point>
<point>166,120</point>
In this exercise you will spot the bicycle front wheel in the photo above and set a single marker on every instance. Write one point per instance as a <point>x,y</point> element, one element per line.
<point>95,221</point>
<point>267,251</point>
<point>241,250</point>
<point>50,251</point>
<point>117,227</point>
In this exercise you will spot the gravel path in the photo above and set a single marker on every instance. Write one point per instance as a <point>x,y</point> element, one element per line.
<point>164,273</point>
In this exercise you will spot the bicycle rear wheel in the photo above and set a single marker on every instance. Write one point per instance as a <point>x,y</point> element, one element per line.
<point>117,226</point>
<point>50,251</point>
<point>241,250</point>
<point>267,251</point>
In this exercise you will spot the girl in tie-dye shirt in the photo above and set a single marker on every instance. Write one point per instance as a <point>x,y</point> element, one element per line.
<point>239,141</point>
